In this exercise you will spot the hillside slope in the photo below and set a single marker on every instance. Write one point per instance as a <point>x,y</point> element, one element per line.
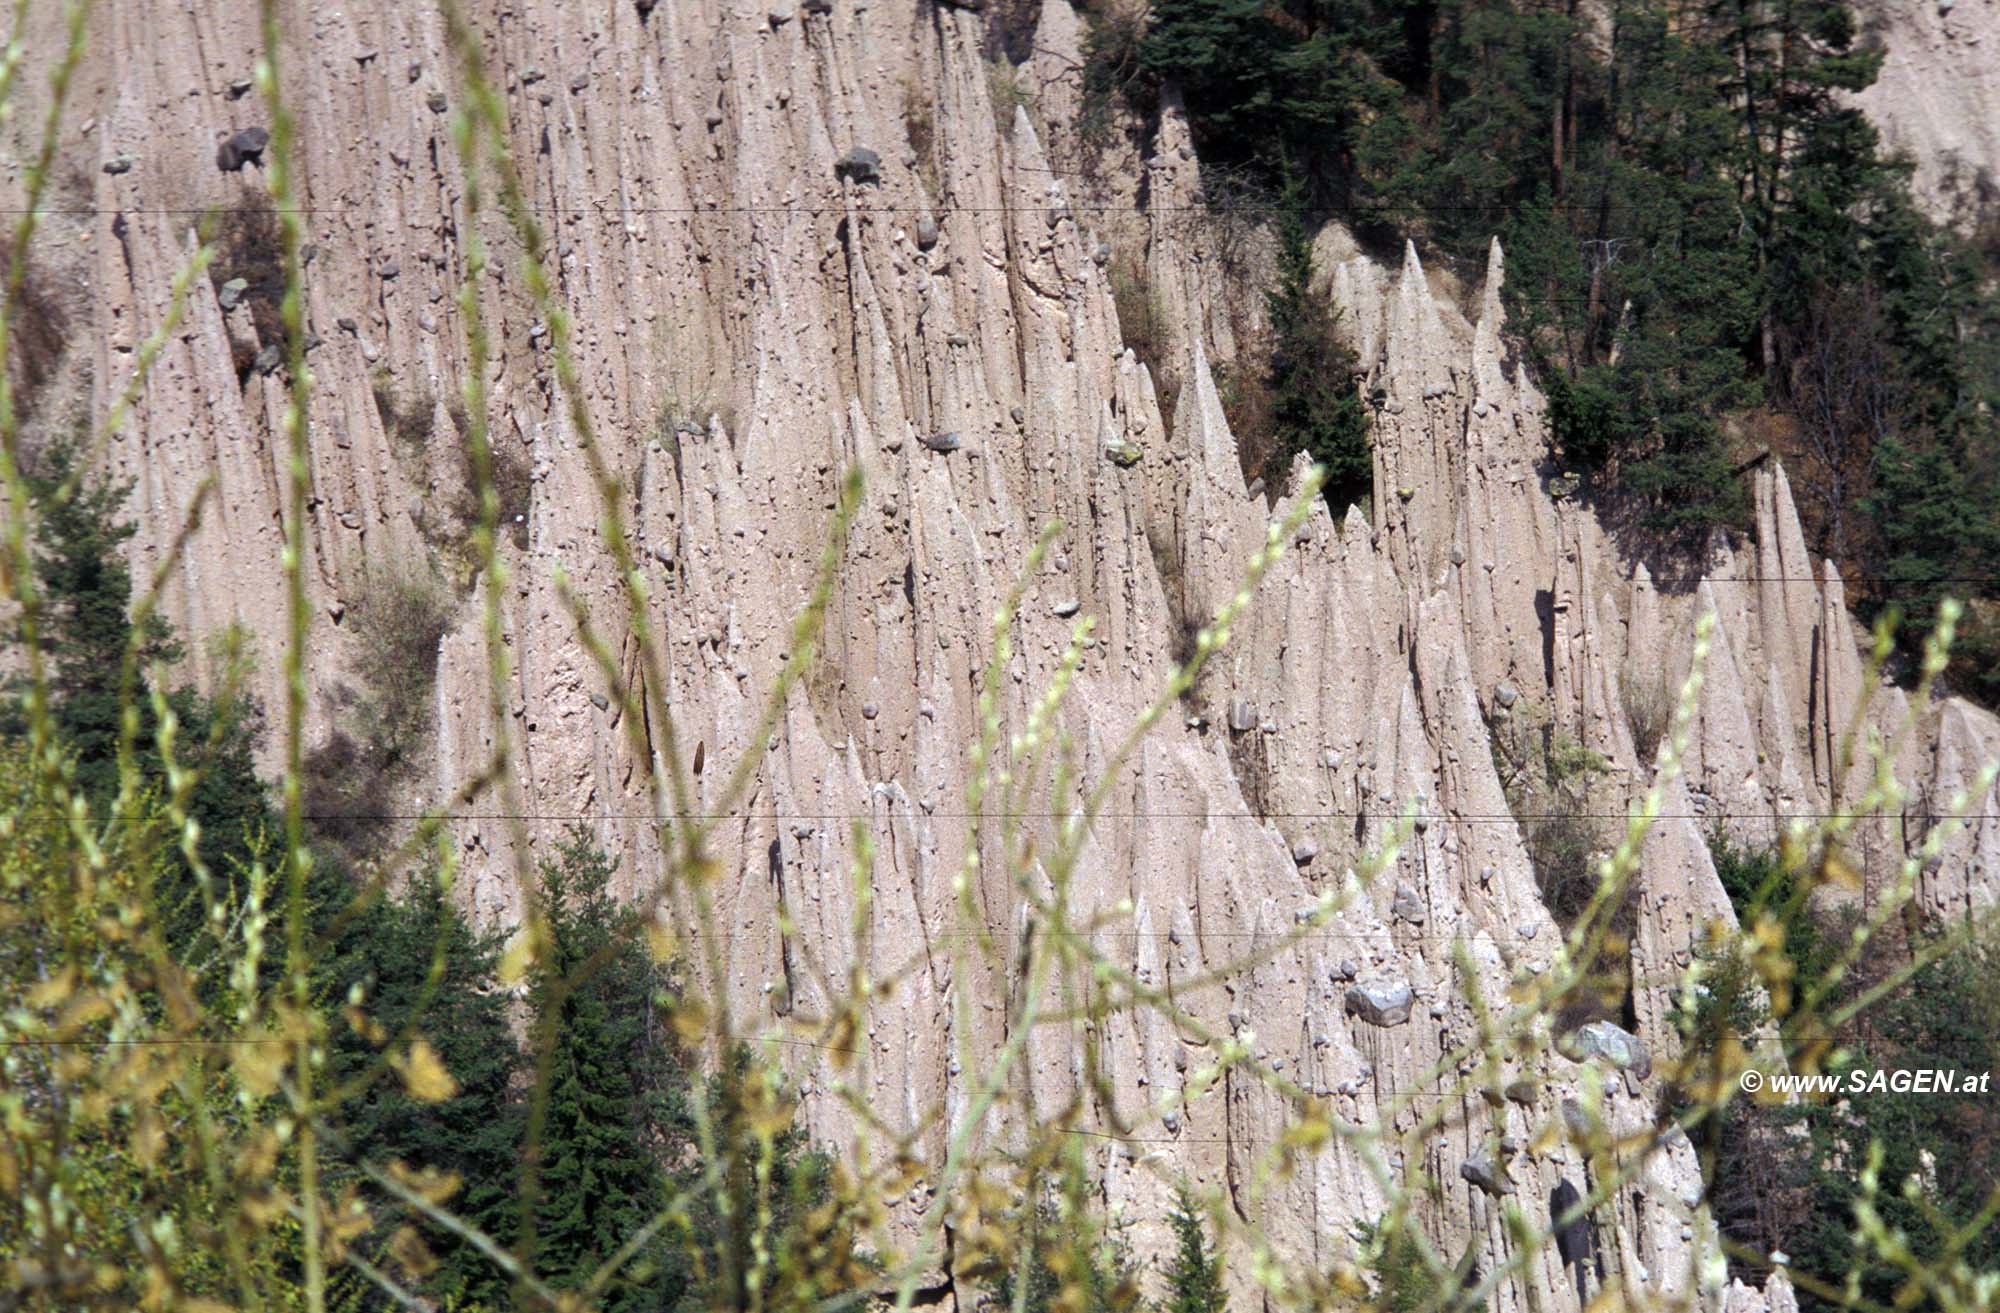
<point>751,321</point>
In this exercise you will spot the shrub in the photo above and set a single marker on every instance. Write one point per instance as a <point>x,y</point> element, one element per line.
<point>1246,404</point>
<point>249,246</point>
<point>383,717</point>
<point>409,418</point>
<point>346,795</point>
<point>1008,87</point>
<point>406,416</point>
<point>513,484</point>
<point>1939,1167</point>
<point>1547,777</point>
<point>1142,324</point>
<point>1649,709</point>
<point>40,332</point>
<point>1765,884</point>
<point>1561,843</point>
<point>1584,415</point>
<point>401,619</point>
<point>920,124</point>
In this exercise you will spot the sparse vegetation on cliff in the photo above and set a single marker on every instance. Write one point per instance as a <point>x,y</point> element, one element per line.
<point>1700,225</point>
<point>1315,398</point>
<point>1796,1176</point>
<point>1142,323</point>
<point>383,716</point>
<point>249,1065</point>
<point>1551,782</point>
<point>1648,704</point>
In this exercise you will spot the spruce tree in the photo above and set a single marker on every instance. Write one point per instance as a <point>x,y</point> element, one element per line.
<point>1069,1262</point>
<point>87,593</point>
<point>601,1175</point>
<point>1194,1272</point>
<point>416,964</point>
<point>86,631</point>
<point>1315,407</point>
<point>745,1100</point>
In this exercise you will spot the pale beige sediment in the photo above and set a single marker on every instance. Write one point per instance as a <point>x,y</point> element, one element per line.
<point>720,274</point>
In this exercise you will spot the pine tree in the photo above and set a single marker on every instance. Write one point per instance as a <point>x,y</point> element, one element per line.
<point>1194,1272</point>
<point>1222,56</point>
<point>1495,75</point>
<point>746,1102</point>
<point>86,631</point>
<point>1315,407</point>
<point>1299,81</point>
<point>416,963</point>
<point>1069,1264</point>
<point>601,1173</point>
<point>1938,534</point>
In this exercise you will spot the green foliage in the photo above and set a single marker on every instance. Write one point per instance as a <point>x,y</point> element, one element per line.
<point>1677,187</point>
<point>590,1010</point>
<point>176,1112</point>
<point>1786,1175</point>
<point>1406,1279</point>
<point>1937,532</point>
<point>1584,414</point>
<point>1763,885</point>
<point>61,940</point>
<point>1940,1154</point>
<point>1194,1269</point>
<point>86,630</point>
<point>1268,84</point>
<point>384,717</point>
<point>1314,405</point>
<point>1648,704</point>
<point>629,1125</point>
<point>1548,778</point>
<point>1066,1261</point>
<point>409,963</point>
<point>768,1177</point>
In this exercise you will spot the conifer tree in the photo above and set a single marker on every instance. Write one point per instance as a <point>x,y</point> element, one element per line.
<point>414,963</point>
<point>601,1176</point>
<point>1070,1262</point>
<point>1315,407</point>
<point>86,629</point>
<point>746,1103</point>
<point>1194,1271</point>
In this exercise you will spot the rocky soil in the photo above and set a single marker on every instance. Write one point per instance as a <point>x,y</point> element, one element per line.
<point>751,323</point>
<point>1938,100</point>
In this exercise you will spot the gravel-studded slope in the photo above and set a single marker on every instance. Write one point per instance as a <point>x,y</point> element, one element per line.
<point>748,325</point>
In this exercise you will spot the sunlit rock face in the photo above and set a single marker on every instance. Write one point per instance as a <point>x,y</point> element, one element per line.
<point>795,240</point>
<point>1937,100</point>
